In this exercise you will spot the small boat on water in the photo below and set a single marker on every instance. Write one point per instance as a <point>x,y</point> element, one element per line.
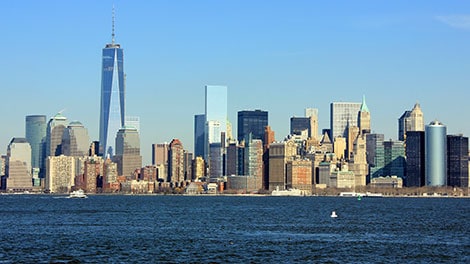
<point>289,192</point>
<point>78,194</point>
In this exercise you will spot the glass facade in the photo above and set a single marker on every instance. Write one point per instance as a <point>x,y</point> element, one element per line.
<point>415,162</point>
<point>457,161</point>
<point>436,150</point>
<point>252,122</point>
<point>298,124</point>
<point>36,134</point>
<point>112,114</point>
<point>199,127</point>
<point>54,134</point>
<point>75,141</point>
<point>343,115</point>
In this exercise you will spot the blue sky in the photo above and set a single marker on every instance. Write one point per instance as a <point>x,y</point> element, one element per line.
<point>278,56</point>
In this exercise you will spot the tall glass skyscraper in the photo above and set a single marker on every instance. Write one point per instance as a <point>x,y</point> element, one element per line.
<point>436,150</point>
<point>112,114</point>
<point>342,115</point>
<point>199,125</point>
<point>36,135</point>
<point>252,122</point>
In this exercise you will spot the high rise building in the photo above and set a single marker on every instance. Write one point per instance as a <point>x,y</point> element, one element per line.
<point>215,125</point>
<point>75,140</point>
<point>415,161</point>
<point>435,157</point>
<point>36,136</point>
<point>254,160</point>
<point>375,154</point>
<point>342,115</point>
<point>199,136</point>
<point>279,154</point>
<point>232,159</point>
<point>312,113</point>
<point>364,117</point>
<point>128,156</point>
<point>252,122</point>
<point>54,134</point>
<point>60,174</point>
<point>187,164</point>
<point>410,121</point>
<point>160,153</point>
<point>457,161</point>
<point>394,159</point>
<point>112,111</point>
<point>300,124</point>
<point>18,168</point>
<point>299,175</point>
<point>176,162</point>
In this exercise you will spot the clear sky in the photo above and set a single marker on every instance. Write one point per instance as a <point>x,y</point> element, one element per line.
<point>278,56</point>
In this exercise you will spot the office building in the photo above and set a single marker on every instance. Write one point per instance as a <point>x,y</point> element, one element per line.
<point>364,118</point>
<point>254,161</point>
<point>415,159</point>
<point>299,175</point>
<point>375,155</point>
<point>343,115</point>
<point>60,174</point>
<point>394,158</point>
<point>279,154</point>
<point>410,121</point>
<point>112,109</point>
<point>128,156</point>
<point>252,122</point>
<point>457,161</point>
<point>435,157</point>
<point>75,140</point>
<point>312,113</point>
<point>176,162</point>
<point>18,167</point>
<point>199,136</point>
<point>300,124</point>
<point>36,136</point>
<point>54,134</point>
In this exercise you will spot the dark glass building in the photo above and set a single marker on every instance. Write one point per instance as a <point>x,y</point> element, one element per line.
<point>252,122</point>
<point>199,136</point>
<point>112,114</point>
<point>457,161</point>
<point>415,161</point>
<point>36,135</point>
<point>299,124</point>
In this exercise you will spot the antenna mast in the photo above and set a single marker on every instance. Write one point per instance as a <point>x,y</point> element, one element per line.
<point>112,39</point>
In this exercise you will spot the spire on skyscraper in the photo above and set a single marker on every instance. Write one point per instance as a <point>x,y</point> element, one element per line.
<point>364,107</point>
<point>112,34</point>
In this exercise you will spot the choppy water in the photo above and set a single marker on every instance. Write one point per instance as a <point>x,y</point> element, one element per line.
<point>231,229</point>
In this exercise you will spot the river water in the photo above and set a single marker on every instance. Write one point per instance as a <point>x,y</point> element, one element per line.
<point>233,229</point>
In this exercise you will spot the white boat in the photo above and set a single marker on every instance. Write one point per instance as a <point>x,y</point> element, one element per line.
<point>333,214</point>
<point>373,195</point>
<point>289,192</point>
<point>78,194</point>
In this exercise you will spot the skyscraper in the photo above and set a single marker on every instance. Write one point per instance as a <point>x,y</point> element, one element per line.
<point>128,156</point>
<point>75,141</point>
<point>112,114</point>
<point>312,113</point>
<point>252,122</point>
<point>410,121</point>
<point>299,124</point>
<point>457,161</point>
<point>54,134</point>
<point>19,165</point>
<point>364,117</point>
<point>36,135</point>
<point>199,126</point>
<point>436,150</point>
<point>343,115</point>
<point>415,161</point>
<point>176,162</point>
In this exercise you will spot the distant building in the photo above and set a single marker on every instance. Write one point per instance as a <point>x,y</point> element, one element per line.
<point>364,118</point>
<point>410,121</point>
<point>457,161</point>
<point>128,156</point>
<point>299,175</point>
<point>75,140</point>
<point>342,115</point>
<point>36,136</point>
<point>133,121</point>
<point>199,136</point>
<point>299,124</point>
<point>312,113</point>
<point>112,109</point>
<point>18,167</point>
<point>253,122</point>
<point>279,154</point>
<point>375,155</point>
<point>436,150</point>
<point>387,182</point>
<point>176,162</point>
<point>54,134</point>
<point>254,160</point>
<point>60,174</point>
<point>160,154</point>
<point>198,168</point>
<point>415,159</point>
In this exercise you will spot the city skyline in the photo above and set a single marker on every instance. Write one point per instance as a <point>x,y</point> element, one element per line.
<point>283,63</point>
